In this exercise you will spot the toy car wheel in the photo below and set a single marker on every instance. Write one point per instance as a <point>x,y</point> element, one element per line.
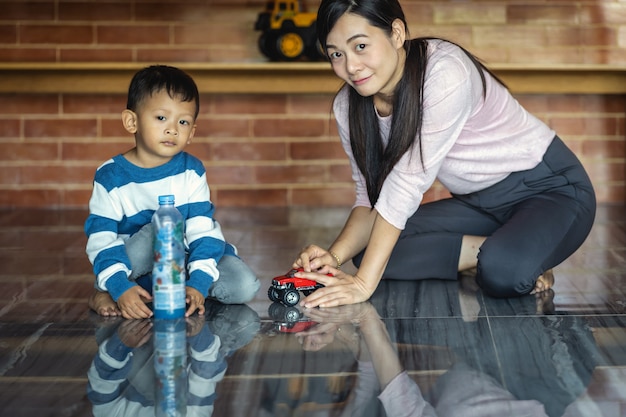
<point>291,297</point>
<point>283,314</point>
<point>276,311</point>
<point>273,294</point>
<point>292,315</point>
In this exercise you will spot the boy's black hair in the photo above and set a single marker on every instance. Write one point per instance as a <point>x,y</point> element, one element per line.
<point>156,78</point>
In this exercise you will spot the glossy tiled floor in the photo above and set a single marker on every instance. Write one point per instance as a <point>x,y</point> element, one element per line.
<point>462,353</point>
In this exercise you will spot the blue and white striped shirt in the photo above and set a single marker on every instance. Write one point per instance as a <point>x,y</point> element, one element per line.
<point>123,200</point>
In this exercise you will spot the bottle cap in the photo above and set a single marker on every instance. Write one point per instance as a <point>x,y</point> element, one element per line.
<point>166,199</point>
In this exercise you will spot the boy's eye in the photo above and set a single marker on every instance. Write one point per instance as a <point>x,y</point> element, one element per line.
<point>184,122</point>
<point>160,118</point>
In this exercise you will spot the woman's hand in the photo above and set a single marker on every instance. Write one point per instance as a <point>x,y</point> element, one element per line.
<point>318,336</point>
<point>313,258</point>
<point>340,289</point>
<point>350,313</point>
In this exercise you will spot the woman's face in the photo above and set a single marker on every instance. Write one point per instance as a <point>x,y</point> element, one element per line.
<point>365,56</point>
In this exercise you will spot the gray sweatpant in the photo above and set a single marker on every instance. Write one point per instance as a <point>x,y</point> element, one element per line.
<point>237,283</point>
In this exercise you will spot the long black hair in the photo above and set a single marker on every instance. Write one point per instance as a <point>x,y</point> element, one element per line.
<point>373,159</point>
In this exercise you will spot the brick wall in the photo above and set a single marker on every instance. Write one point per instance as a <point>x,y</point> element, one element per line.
<point>277,149</point>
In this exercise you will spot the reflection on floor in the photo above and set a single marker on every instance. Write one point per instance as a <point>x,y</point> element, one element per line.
<point>438,348</point>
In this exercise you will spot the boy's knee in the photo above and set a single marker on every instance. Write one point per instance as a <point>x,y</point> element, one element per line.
<point>139,251</point>
<point>242,292</point>
<point>237,283</point>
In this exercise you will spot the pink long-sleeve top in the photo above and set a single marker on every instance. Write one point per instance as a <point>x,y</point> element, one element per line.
<point>469,142</point>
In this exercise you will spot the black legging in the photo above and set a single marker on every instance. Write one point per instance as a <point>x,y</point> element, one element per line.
<point>533,221</point>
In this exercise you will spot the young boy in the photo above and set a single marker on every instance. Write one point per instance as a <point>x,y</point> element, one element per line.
<point>163,104</point>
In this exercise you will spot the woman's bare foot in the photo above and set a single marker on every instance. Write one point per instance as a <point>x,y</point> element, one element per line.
<point>545,302</point>
<point>544,282</point>
<point>102,303</point>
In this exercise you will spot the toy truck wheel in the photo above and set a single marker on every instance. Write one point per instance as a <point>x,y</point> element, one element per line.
<point>273,294</point>
<point>291,297</point>
<point>267,46</point>
<point>290,46</point>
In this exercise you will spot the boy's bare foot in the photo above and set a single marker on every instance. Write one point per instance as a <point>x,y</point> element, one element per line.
<point>544,282</point>
<point>102,303</point>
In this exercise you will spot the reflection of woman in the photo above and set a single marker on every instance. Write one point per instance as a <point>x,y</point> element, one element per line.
<point>415,110</point>
<point>462,391</point>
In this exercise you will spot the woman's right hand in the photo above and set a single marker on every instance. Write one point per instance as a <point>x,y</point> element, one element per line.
<point>313,258</point>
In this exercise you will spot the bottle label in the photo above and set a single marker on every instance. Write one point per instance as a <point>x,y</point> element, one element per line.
<point>170,367</point>
<point>168,273</point>
<point>169,243</point>
<point>169,285</point>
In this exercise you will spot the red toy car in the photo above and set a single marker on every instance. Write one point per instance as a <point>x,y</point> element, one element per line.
<point>285,287</point>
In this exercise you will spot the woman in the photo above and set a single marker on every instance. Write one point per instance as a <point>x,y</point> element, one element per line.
<point>415,110</point>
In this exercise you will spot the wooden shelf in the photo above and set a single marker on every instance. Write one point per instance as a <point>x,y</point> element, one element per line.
<point>300,78</point>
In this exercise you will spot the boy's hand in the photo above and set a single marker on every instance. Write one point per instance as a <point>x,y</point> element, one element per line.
<point>135,333</point>
<point>195,300</point>
<point>132,303</point>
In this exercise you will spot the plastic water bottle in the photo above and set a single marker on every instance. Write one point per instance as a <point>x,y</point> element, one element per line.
<point>168,272</point>
<point>170,368</point>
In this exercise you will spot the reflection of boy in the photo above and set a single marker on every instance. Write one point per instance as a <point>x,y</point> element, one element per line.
<point>163,104</point>
<point>122,377</point>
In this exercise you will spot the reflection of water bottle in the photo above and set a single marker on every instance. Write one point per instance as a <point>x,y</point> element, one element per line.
<point>168,273</point>
<point>170,368</point>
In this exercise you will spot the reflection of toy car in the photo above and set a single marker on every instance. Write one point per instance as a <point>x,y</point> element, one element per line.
<point>288,319</point>
<point>285,288</point>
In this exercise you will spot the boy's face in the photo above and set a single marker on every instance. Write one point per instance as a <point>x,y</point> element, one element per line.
<point>162,126</point>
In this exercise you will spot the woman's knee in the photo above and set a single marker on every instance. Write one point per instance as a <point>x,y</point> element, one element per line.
<point>501,276</point>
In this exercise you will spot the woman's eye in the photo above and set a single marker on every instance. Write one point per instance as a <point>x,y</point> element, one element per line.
<point>335,55</point>
<point>360,47</point>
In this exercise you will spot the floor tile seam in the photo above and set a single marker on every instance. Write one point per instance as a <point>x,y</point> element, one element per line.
<point>43,378</point>
<point>287,375</point>
<point>495,350</point>
<point>558,315</point>
<point>322,374</point>
<point>577,271</point>
<point>49,277</point>
<point>426,317</point>
<point>78,229</point>
<point>610,367</point>
<point>270,320</point>
<point>418,317</point>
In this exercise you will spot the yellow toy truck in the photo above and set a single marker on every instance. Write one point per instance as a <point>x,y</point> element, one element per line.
<point>288,32</point>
